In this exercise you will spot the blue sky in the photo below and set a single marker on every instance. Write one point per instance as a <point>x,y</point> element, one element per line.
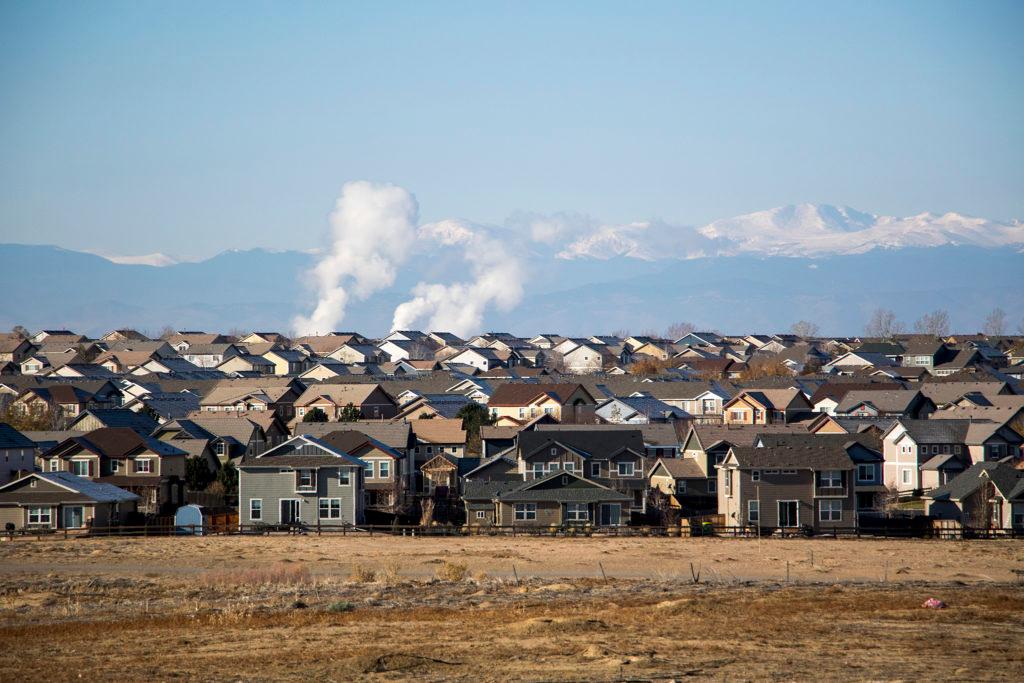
<point>192,127</point>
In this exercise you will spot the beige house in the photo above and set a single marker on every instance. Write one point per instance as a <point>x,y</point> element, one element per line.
<point>766,406</point>
<point>371,400</point>
<point>516,404</point>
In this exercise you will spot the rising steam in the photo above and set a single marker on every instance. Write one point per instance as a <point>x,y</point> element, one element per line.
<point>459,307</point>
<point>373,227</point>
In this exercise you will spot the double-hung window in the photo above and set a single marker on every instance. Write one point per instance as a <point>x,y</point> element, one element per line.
<point>39,516</point>
<point>304,479</point>
<point>383,469</point>
<point>595,469</point>
<point>256,509</point>
<point>865,473</point>
<point>330,508</point>
<point>755,475</point>
<point>368,472</point>
<point>538,470</point>
<point>753,511</point>
<point>576,512</point>
<point>144,466</point>
<point>344,476</point>
<point>526,512</point>
<point>830,511</point>
<point>80,467</point>
<point>627,468</point>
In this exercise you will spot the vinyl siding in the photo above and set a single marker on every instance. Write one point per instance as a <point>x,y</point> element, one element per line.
<point>272,486</point>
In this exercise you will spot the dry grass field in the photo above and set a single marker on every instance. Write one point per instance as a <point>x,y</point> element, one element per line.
<point>273,608</point>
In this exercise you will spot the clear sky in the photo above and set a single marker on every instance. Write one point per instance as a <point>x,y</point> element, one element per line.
<point>192,127</point>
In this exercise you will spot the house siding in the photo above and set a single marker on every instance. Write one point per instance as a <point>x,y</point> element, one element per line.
<point>272,486</point>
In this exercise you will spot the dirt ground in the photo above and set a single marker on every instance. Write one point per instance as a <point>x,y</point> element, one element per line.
<point>490,609</point>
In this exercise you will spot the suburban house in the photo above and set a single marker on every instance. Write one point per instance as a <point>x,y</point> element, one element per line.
<point>435,436</point>
<point>885,403</point>
<point>210,355</point>
<point>562,499</point>
<point>370,400</point>
<point>287,362</point>
<point>388,474</point>
<point>923,454</point>
<point>246,364</point>
<point>355,354</point>
<point>14,349</point>
<point>787,487</point>
<point>766,406</point>
<point>301,481</point>
<point>152,469</point>
<point>516,404</point>
<point>18,453</point>
<point>483,359</point>
<point>637,410</point>
<point>685,484</point>
<point>62,500</point>
<point>59,400</point>
<point>988,495</point>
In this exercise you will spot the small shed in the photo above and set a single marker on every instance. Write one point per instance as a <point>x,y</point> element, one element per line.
<point>198,520</point>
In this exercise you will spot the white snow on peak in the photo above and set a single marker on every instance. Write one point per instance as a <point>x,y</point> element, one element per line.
<point>156,259</point>
<point>820,229</point>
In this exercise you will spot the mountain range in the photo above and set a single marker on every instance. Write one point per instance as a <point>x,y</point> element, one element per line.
<point>757,272</point>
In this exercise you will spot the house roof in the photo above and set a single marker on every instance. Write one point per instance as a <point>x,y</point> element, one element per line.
<point>600,444</point>
<point>93,490</point>
<point>351,440</point>
<point>393,434</point>
<point>531,491</point>
<point>1006,478</point>
<point>340,394</point>
<point>679,468</point>
<point>117,442</point>
<point>282,455</point>
<point>438,430</point>
<point>119,417</point>
<point>792,457</point>
<point>12,438</point>
<point>516,394</point>
<point>885,401</point>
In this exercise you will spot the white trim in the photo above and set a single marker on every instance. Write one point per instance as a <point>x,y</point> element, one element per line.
<point>255,500</point>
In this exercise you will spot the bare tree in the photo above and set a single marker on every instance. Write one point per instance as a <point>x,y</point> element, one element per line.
<point>935,323</point>
<point>804,329</point>
<point>679,330</point>
<point>20,332</point>
<point>167,332</point>
<point>621,333</point>
<point>995,323</point>
<point>883,323</point>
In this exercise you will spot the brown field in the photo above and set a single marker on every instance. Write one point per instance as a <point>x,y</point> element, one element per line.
<point>584,609</point>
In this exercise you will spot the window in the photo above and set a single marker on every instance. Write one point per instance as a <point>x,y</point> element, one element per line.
<point>144,466</point>
<point>712,486</point>
<point>80,467</point>
<point>789,471</point>
<point>256,509</point>
<point>935,449</point>
<point>626,469</point>
<point>115,465</point>
<point>554,451</point>
<point>681,486</point>
<point>430,449</point>
<point>576,512</point>
<point>728,482</point>
<point>865,472</point>
<point>753,511</point>
<point>595,469</point>
<point>736,415</point>
<point>39,516</point>
<point>830,511</point>
<point>526,511</point>
<point>1018,519</point>
<point>956,449</point>
<point>480,514</point>
<point>54,465</point>
<point>830,479</point>
<point>344,477</point>
<point>368,471</point>
<point>906,476</point>
<point>569,467</point>
<point>330,508</point>
<point>220,448</point>
<point>538,470</point>
<point>755,475</point>
<point>305,479</point>
<point>384,469</point>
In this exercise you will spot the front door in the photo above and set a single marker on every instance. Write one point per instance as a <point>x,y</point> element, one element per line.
<point>611,514</point>
<point>788,513</point>
<point>289,511</point>
<point>74,517</point>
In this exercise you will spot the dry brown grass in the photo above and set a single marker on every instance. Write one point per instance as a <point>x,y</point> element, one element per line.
<point>279,574</point>
<point>452,571</point>
<point>390,574</point>
<point>362,574</point>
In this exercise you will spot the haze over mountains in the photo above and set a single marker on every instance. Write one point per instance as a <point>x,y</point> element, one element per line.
<point>761,271</point>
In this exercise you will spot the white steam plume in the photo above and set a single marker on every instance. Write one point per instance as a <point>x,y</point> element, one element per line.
<point>373,226</point>
<point>459,307</point>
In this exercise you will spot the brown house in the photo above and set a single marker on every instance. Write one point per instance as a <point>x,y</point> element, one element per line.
<point>766,406</point>
<point>371,400</point>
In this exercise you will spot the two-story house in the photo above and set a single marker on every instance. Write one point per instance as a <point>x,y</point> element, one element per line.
<point>766,406</point>
<point>517,404</point>
<point>787,487</point>
<point>303,481</point>
<point>152,469</point>
<point>17,453</point>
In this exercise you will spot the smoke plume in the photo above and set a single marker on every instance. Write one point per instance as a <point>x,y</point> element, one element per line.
<point>459,307</point>
<point>373,227</point>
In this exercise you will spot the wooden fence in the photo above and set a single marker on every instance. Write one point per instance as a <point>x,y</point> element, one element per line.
<point>166,527</point>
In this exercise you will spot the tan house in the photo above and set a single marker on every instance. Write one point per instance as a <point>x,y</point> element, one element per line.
<point>387,475</point>
<point>766,406</point>
<point>436,436</point>
<point>152,469</point>
<point>59,400</point>
<point>371,400</point>
<point>14,349</point>
<point>989,495</point>
<point>517,404</point>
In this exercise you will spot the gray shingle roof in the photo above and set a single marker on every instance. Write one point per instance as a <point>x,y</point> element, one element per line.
<point>793,457</point>
<point>99,492</point>
<point>12,438</point>
<point>1007,479</point>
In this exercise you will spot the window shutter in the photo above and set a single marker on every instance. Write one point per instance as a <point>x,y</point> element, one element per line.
<point>92,472</point>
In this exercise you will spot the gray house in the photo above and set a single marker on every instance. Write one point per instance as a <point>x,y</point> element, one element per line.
<point>301,481</point>
<point>62,500</point>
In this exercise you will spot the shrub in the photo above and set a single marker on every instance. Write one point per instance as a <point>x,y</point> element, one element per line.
<point>340,606</point>
<point>277,574</point>
<point>389,575</point>
<point>452,571</point>
<point>361,574</point>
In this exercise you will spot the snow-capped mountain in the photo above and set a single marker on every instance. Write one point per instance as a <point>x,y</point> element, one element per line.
<point>820,229</point>
<point>156,259</point>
